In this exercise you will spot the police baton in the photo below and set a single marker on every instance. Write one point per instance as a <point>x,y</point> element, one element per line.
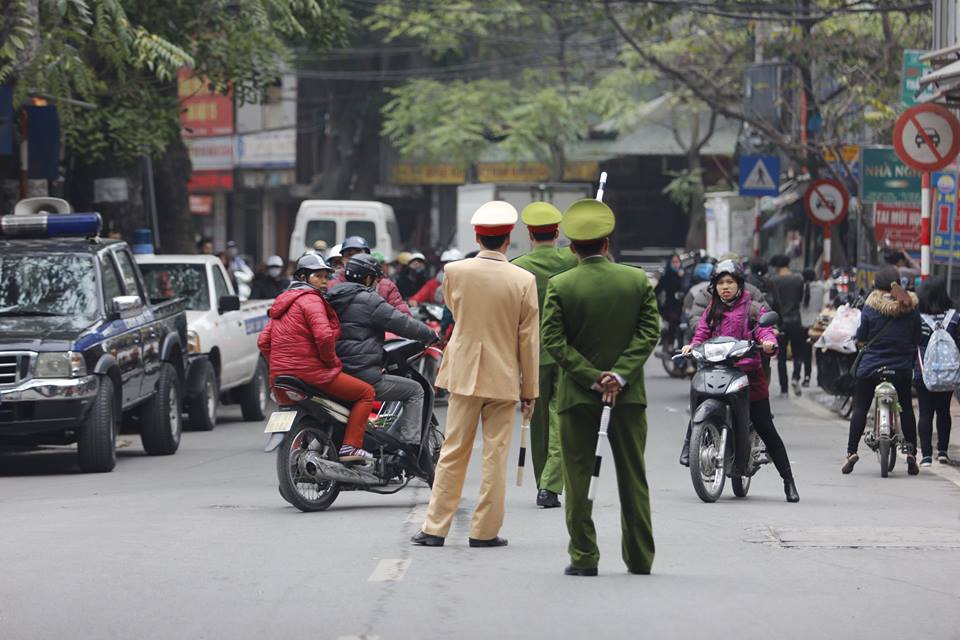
<point>597,457</point>
<point>524,439</point>
<point>603,183</point>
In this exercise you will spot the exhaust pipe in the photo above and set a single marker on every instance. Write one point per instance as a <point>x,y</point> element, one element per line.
<point>322,469</point>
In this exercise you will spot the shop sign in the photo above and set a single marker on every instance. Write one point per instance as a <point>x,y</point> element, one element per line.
<point>887,179</point>
<point>267,149</point>
<point>897,225</point>
<point>410,173</point>
<point>211,154</point>
<point>574,171</point>
<point>210,181</point>
<point>205,113</point>
<point>201,205</point>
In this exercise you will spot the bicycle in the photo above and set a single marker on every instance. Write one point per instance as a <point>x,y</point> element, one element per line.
<point>884,436</point>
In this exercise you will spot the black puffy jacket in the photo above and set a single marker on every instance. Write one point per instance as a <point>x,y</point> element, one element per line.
<point>364,316</point>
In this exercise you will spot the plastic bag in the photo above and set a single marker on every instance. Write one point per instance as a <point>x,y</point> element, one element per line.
<point>840,334</point>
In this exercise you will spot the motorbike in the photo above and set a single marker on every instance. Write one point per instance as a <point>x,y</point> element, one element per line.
<point>719,403</point>
<point>307,437</point>
<point>677,368</point>
<point>432,315</point>
<point>883,436</point>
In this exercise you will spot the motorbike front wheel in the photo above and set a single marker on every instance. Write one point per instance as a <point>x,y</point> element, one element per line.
<point>706,461</point>
<point>296,487</point>
<point>672,368</point>
<point>741,485</point>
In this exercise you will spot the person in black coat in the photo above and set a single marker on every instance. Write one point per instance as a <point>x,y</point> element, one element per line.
<point>271,283</point>
<point>364,317</point>
<point>669,292</point>
<point>890,330</point>
<point>935,304</point>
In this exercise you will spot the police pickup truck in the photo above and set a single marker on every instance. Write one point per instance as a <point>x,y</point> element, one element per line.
<point>223,361</point>
<point>83,350</point>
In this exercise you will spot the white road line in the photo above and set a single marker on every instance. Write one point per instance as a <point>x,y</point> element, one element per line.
<point>389,569</point>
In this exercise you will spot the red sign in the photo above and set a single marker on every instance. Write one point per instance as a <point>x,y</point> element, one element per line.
<point>201,205</point>
<point>205,113</point>
<point>897,225</point>
<point>206,181</point>
<point>826,201</point>
<point>927,137</point>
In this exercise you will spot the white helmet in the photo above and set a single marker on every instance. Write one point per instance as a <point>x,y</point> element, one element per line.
<point>451,255</point>
<point>334,252</point>
<point>274,261</point>
<point>416,255</point>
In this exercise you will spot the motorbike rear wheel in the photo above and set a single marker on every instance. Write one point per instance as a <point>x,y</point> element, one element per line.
<point>885,452</point>
<point>741,485</point>
<point>707,461</point>
<point>296,487</point>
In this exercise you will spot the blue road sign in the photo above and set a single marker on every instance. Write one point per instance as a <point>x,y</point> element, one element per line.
<point>759,176</point>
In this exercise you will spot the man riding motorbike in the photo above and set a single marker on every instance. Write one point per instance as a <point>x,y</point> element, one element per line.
<point>364,316</point>
<point>354,245</point>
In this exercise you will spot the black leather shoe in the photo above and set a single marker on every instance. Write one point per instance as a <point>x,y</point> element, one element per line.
<point>492,542</point>
<point>547,499</point>
<point>575,571</point>
<point>427,540</point>
<point>790,490</point>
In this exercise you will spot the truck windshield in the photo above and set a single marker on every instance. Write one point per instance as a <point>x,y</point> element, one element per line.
<point>171,280</point>
<point>50,285</point>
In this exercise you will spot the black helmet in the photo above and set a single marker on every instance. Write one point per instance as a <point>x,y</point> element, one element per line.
<point>360,266</point>
<point>355,242</point>
<point>308,263</point>
<point>727,268</point>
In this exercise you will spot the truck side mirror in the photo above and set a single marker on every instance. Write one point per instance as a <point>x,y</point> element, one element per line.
<point>228,303</point>
<point>124,307</point>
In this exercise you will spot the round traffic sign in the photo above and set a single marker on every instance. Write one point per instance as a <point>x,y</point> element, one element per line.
<point>826,201</point>
<point>927,137</point>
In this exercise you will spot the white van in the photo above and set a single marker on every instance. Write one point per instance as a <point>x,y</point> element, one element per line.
<point>334,220</point>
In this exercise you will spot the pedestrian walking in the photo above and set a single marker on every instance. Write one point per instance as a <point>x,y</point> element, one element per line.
<point>544,261</point>
<point>816,295</point>
<point>490,362</point>
<point>788,288</point>
<point>890,330</point>
<point>600,324</point>
<point>936,311</point>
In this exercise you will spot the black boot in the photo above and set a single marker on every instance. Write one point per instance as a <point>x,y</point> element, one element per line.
<point>685,451</point>
<point>790,490</point>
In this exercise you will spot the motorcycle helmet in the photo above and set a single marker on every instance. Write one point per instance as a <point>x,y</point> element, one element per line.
<point>360,266</point>
<point>702,272</point>
<point>274,261</point>
<point>308,263</point>
<point>727,268</point>
<point>451,255</point>
<point>355,243</point>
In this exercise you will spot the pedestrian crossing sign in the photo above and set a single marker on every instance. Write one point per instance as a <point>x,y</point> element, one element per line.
<point>759,176</point>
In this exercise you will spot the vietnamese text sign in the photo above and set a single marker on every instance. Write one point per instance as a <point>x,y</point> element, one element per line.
<point>897,225</point>
<point>910,77</point>
<point>205,113</point>
<point>276,148</point>
<point>409,173</point>
<point>210,154</point>
<point>945,223</point>
<point>886,179</point>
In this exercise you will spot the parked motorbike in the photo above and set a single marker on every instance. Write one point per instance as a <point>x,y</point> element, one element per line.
<point>307,438</point>
<point>720,417</point>
<point>429,365</point>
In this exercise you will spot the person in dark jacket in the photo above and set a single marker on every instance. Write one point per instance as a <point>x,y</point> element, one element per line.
<point>669,292</point>
<point>890,332</point>
<point>364,316</point>
<point>269,285</point>
<point>935,303</point>
<point>413,276</point>
<point>300,340</point>
<point>788,289</point>
<point>387,289</point>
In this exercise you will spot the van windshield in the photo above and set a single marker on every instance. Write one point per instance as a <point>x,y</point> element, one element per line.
<point>363,228</point>
<point>325,230</point>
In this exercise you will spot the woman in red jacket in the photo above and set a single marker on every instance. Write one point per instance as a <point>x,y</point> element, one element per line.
<point>300,340</point>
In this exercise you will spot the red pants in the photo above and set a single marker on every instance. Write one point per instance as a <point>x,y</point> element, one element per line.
<point>350,389</point>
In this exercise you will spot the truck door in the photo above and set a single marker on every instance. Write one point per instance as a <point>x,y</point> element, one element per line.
<point>123,343</point>
<point>230,331</point>
<point>150,332</point>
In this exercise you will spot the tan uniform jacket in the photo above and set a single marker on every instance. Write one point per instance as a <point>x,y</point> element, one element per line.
<point>495,346</point>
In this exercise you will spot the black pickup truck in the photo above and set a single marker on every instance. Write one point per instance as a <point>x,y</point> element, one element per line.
<point>83,352</point>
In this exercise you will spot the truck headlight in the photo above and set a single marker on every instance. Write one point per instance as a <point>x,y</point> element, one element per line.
<point>60,364</point>
<point>193,342</point>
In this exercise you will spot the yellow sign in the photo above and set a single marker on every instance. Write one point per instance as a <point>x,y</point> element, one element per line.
<point>850,153</point>
<point>405,173</point>
<point>577,171</point>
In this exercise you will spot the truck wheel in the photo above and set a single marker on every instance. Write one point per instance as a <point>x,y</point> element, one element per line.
<point>160,417</point>
<point>255,395</point>
<point>202,408</point>
<point>97,441</point>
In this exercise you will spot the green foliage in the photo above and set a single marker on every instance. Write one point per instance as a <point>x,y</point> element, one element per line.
<point>684,185</point>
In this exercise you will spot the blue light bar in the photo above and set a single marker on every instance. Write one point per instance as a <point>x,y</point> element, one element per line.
<point>51,225</point>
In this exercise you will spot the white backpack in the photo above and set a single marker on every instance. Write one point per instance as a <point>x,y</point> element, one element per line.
<point>940,363</point>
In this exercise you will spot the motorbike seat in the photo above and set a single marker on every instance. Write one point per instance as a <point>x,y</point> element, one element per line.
<point>336,407</point>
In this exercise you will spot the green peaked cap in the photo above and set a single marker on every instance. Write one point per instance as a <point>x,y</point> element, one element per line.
<point>540,214</point>
<point>587,220</point>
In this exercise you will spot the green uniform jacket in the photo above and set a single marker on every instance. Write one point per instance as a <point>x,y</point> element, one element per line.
<point>599,317</point>
<point>544,263</point>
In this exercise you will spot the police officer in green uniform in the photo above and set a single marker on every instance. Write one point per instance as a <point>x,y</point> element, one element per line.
<point>600,324</point>
<point>544,261</point>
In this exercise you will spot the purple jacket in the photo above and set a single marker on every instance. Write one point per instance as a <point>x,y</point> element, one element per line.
<point>733,324</point>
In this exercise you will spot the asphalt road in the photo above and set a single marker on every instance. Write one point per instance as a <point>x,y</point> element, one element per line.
<point>200,545</point>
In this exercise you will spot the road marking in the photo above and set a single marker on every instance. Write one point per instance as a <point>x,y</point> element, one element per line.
<point>389,569</point>
<point>358,637</point>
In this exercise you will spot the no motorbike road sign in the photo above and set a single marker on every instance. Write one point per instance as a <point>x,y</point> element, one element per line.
<point>927,137</point>
<point>826,201</point>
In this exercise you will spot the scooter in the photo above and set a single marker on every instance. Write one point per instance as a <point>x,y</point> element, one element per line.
<point>307,437</point>
<point>429,365</point>
<point>884,435</point>
<point>720,417</point>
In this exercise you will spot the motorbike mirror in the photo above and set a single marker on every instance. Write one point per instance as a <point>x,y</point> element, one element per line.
<point>769,319</point>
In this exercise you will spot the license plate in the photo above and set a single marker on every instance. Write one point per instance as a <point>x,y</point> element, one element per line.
<point>280,421</point>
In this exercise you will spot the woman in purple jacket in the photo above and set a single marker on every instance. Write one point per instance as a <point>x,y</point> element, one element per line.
<point>733,313</point>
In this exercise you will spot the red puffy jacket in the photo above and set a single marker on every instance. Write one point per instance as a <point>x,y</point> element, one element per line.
<point>300,338</point>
